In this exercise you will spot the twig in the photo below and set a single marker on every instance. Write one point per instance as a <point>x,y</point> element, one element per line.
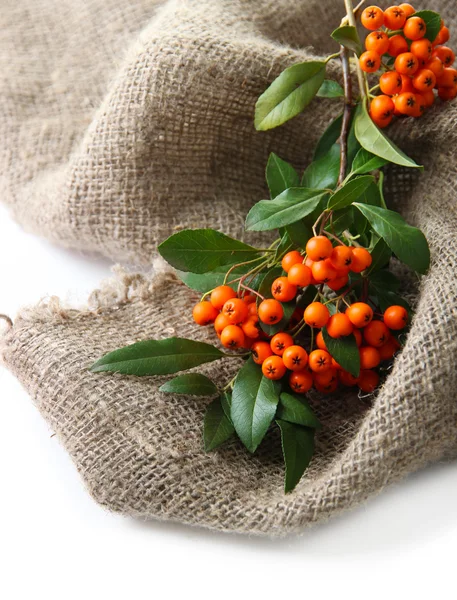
<point>346,114</point>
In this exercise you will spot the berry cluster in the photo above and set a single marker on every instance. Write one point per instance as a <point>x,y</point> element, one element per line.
<point>413,65</point>
<point>236,321</point>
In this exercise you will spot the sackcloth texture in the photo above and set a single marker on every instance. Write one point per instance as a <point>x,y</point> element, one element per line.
<point>123,122</point>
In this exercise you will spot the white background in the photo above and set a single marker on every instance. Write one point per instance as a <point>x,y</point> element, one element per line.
<point>56,543</point>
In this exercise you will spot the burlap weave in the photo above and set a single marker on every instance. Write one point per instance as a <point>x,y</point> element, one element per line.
<point>122,121</point>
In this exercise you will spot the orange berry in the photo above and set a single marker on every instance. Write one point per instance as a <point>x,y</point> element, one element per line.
<point>232,337</point>
<point>368,381</point>
<point>376,334</point>
<point>396,317</point>
<point>445,54</point>
<point>369,357</point>
<point>339,325</point>
<point>327,389</point>
<point>448,78</point>
<point>221,323</point>
<point>319,360</point>
<point>280,342</point>
<point>406,63</point>
<point>424,80</point>
<point>291,258</point>
<point>273,367</point>
<point>320,342</point>
<point>252,309</point>
<point>360,314</point>
<point>326,377</point>
<point>447,93</point>
<point>422,49</point>
<point>407,9</point>
<point>394,17</point>
<point>270,311</point>
<point>341,257</point>
<point>406,84</point>
<point>204,313</point>
<point>336,365</point>
<point>406,103</point>
<point>347,378</point>
<point>435,64</point>
<point>389,349</point>
<point>260,351</point>
<point>235,310</point>
<point>382,109</point>
<point>250,327</point>
<point>323,271</point>
<point>316,315</point>
<point>249,298</point>
<point>361,260</point>
<point>358,337</point>
<point>390,83</point>
<point>319,248</point>
<point>378,41</point>
<point>295,358</point>
<point>220,295</point>
<point>429,98</point>
<point>415,28</point>
<point>420,107</point>
<point>397,45</point>
<point>283,290</point>
<point>372,18</point>
<point>442,37</point>
<point>247,342</point>
<point>301,381</point>
<point>370,61</point>
<point>300,275</point>
<point>338,283</point>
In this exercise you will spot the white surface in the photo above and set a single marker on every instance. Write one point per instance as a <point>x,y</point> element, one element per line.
<point>56,543</point>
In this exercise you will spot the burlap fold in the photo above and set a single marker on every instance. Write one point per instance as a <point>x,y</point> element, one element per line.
<point>122,122</point>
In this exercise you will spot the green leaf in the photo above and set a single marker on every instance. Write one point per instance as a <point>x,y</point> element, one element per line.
<point>432,21</point>
<point>350,192</point>
<point>290,206</point>
<point>208,281</point>
<point>370,196</point>
<point>280,175</point>
<point>328,138</point>
<point>299,233</point>
<point>407,242</point>
<point>157,357</point>
<point>298,449</point>
<point>226,402</point>
<point>387,298</point>
<point>342,221</point>
<point>289,94</point>
<point>284,246</point>
<point>348,37</point>
<point>323,173</point>
<point>344,350</point>
<point>385,281</point>
<point>203,250</point>
<point>330,89</point>
<point>254,402</point>
<point>365,161</point>
<point>192,384</point>
<point>380,255</point>
<point>373,139</point>
<point>217,429</point>
<point>296,410</point>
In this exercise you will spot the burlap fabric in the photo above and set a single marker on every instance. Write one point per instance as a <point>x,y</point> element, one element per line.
<point>123,121</point>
